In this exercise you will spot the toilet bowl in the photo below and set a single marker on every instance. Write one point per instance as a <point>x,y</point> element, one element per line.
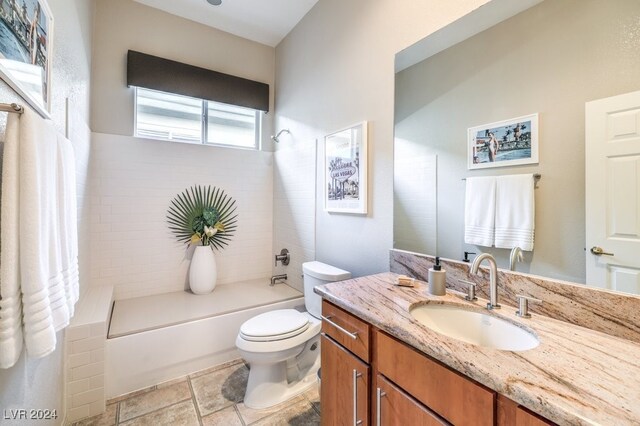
<point>282,347</point>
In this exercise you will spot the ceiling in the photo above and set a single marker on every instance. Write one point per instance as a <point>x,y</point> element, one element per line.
<point>266,22</point>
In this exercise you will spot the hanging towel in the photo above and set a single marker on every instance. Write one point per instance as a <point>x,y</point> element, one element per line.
<point>67,220</point>
<point>10,297</point>
<point>480,210</point>
<point>44,302</point>
<point>37,280</point>
<point>515,211</point>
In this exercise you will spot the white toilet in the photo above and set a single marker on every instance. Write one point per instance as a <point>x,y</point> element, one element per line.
<point>282,347</point>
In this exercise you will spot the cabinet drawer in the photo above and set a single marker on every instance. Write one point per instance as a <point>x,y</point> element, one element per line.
<point>399,409</point>
<point>451,395</point>
<point>344,328</point>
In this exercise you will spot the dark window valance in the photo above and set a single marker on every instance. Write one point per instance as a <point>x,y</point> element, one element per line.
<point>152,72</point>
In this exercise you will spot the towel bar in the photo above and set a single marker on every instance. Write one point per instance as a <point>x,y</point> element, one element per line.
<point>536,176</point>
<point>15,108</point>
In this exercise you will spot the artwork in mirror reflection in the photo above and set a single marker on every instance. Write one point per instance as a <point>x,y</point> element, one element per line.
<point>576,52</point>
<point>504,143</point>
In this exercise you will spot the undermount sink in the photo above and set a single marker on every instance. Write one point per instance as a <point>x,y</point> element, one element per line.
<point>474,327</point>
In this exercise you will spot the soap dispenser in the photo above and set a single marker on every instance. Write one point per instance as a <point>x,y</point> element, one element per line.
<point>437,279</point>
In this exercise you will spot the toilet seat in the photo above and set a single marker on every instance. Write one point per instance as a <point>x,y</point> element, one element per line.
<point>281,344</point>
<point>274,325</point>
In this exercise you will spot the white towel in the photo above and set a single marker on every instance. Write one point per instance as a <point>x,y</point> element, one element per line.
<point>67,220</point>
<point>39,281</point>
<point>10,297</point>
<point>515,211</point>
<point>44,302</point>
<point>480,210</point>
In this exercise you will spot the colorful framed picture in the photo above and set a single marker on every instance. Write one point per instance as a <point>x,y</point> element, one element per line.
<point>345,170</point>
<point>26,35</point>
<point>503,143</point>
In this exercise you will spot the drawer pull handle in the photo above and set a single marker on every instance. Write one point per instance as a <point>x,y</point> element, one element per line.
<point>353,335</point>
<point>379,394</point>
<point>356,375</point>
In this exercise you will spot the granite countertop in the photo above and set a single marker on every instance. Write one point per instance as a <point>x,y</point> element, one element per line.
<point>576,376</point>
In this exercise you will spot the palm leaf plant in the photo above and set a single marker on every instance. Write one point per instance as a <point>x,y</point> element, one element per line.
<point>203,215</point>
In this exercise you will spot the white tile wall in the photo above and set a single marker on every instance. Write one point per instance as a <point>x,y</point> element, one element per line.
<point>294,206</point>
<point>85,341</point>
<point>133,181</point>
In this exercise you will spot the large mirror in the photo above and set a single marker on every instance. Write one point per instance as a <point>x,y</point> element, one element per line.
<point>549,59</point>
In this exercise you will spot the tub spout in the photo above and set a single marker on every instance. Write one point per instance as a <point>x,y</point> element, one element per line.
<point>276,278</point>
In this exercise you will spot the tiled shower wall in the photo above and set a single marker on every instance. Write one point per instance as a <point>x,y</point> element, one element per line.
<point>294,205</point>
<point>133,181</point>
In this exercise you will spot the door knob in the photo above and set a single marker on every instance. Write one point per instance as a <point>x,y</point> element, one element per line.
<point>599,252</point>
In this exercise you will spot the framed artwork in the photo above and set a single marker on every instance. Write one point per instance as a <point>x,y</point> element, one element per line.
<point>345,170</point>
<point>26,35</point>
<point>504,143</point>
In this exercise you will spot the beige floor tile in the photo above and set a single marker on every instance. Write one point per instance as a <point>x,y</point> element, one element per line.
<point>181,414</point>
<point>216,368</point>
<point>313,395</point>
<point>225,417</point>
<point>220,389</point>
<point>153,400</point>
<point>108,418</point>
<point>251,415</point>
<point>130,395</point>
<point>298,414</point>
<point>171,382</point>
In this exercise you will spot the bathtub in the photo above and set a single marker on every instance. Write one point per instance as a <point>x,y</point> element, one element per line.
<point>153,339</point>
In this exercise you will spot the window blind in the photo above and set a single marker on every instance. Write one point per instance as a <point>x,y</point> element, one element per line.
<point>152,72</point>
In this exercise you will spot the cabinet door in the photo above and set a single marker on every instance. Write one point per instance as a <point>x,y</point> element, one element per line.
<point>451,395</point>
<point>344,391</point>
<point>512,414</point>
<point>394,407</point>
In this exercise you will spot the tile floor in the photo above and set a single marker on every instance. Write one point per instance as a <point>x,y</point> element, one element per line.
<point>207,398</point>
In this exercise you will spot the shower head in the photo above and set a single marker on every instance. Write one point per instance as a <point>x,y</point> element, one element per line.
<point>276,138</point>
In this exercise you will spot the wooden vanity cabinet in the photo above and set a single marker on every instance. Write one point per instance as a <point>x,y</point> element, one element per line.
<point>345,386</point>
<point>451,395</point>
<point>361,365</point>
<point>395,407</point>
<point>509,413</point>
<point>346,374</point>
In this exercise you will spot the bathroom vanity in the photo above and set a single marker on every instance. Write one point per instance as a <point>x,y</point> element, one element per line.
<point>381,366</point>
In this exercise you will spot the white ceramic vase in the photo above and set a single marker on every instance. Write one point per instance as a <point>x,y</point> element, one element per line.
<point>203,271</point>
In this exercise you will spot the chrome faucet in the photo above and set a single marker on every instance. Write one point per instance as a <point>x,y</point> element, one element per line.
<point>516,256</point>
<point>493,278</point>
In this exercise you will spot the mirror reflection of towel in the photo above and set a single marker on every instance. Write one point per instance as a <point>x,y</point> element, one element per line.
<point>480,211</point>
<point>515,211</point>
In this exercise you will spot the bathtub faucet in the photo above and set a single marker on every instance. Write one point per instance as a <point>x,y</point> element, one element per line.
<point>276,278</point>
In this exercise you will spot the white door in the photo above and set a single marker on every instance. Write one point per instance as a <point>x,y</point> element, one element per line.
<point>613,192</point>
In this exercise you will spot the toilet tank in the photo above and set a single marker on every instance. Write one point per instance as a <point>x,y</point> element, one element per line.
<point>318,273</point>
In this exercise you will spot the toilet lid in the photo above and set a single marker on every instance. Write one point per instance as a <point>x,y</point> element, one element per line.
<point>274,325</point>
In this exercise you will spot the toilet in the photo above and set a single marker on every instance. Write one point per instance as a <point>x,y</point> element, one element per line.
<point>282,347</point>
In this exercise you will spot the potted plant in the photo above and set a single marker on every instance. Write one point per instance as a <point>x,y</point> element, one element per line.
<point>203,216</point>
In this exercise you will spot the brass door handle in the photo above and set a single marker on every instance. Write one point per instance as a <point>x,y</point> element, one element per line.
<point>599,252</point>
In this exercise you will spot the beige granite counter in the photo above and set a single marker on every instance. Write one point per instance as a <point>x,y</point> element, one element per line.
<point>576,376</point>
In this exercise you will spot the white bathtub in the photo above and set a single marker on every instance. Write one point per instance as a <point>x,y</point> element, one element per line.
<point>157,338</point>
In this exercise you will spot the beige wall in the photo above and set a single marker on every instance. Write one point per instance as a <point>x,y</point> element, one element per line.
<point>550,59</point>
<point>38,383</point>
<point>337,68</point>
<point>124,24</point>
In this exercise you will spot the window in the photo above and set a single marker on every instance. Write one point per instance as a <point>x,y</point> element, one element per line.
<point>178,118</point>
